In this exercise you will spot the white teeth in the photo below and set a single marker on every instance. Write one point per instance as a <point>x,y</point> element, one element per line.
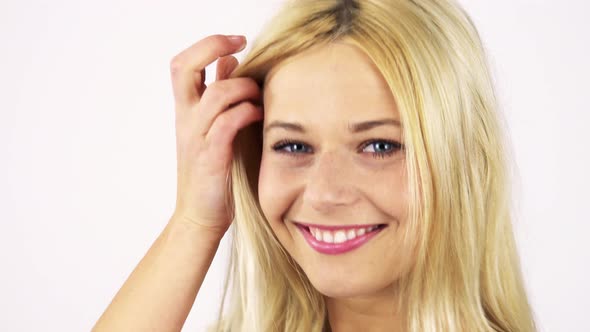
<point>351,234</point>
<point>318,235</point>
<point>339,237</point>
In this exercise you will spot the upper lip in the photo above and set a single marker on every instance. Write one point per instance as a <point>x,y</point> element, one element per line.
<point>335,227</point>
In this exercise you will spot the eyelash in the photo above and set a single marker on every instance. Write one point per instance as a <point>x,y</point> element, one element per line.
<point>395,146</point>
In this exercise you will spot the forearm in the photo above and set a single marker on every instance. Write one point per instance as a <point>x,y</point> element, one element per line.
<point>159,293</point>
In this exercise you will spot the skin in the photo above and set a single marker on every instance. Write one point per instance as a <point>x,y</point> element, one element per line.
<point>336,181</point>
<point>331,176</point>
<point>161,290</point>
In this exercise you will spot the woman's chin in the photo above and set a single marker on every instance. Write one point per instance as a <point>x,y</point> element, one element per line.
<point>342,287</point>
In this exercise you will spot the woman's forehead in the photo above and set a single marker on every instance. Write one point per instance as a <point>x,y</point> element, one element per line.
<point>334,78</point>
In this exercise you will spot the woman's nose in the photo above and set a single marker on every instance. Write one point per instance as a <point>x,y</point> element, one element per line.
<point>330,183</point>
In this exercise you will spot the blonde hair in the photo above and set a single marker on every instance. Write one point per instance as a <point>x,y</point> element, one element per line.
<point>466,275</point>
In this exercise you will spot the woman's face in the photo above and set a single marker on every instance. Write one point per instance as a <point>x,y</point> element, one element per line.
<point>333,168</point>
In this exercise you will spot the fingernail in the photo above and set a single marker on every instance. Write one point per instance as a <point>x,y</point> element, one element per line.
<point>238,41</point>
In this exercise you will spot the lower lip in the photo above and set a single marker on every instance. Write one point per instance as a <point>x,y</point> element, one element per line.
<point>336,248</point>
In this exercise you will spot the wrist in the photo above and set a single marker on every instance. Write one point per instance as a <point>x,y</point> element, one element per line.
<point>179,223</point>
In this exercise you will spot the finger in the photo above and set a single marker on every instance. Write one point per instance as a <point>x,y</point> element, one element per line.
<point>186,68</point>
<point>227,124</point>
<point>202,86</point>
<point>220,96</point>
<point>225,66</point>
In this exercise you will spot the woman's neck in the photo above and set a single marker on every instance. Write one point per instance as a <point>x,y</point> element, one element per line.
<point>365,313</point>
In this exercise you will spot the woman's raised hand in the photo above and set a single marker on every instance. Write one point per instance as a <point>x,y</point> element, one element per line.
<point>207,120</point>
<point>161,290</point>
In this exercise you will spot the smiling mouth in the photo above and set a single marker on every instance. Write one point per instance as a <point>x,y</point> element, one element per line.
<point>339,239</point>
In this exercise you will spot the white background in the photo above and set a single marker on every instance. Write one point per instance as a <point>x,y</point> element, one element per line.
<point>87,154</point>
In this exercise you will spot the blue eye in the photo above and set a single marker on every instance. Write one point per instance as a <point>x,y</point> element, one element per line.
<point>380,148</point>
<point>288,146</point>
<point>383,148</point>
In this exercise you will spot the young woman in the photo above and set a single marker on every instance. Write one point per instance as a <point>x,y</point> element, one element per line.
<point>358,157</point>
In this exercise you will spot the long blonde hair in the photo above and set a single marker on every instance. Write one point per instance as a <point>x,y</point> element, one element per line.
<point>466,275</point>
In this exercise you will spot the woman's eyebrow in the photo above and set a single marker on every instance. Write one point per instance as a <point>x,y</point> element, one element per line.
<point>367,125</point>
<point>353,127</point>
<point>293,126</point>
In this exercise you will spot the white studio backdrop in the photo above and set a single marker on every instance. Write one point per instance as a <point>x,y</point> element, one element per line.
<point>88,164</point>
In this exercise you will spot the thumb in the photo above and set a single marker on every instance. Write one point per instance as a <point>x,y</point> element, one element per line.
<point>225,66</point>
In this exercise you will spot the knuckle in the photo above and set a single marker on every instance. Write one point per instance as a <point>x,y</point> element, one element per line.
<point>224,128</point>
<point>224,124</point>
<point>176,65</point>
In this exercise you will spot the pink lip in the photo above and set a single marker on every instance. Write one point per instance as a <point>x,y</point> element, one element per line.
<point>335,248</point>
